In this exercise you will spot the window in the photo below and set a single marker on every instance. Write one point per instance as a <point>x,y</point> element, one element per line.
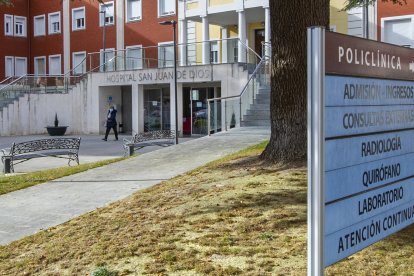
<point>20,66</point>
<point>20,26</point>
<point>398,30</point>
<point>106,14</point>
<point>134,57</point>
<point>8,24</point>
<point>78,19</point>
<point>166,7</point>
<point>79,63</point>
<point>9,64</point>
<point>40,66</point>
<point>54,23</point>
<point>107,60</point>
<point>39,25</point>
<point>214,52</point>
<point>165,54</point>
<point>54,65</point>
<point>134,10</point>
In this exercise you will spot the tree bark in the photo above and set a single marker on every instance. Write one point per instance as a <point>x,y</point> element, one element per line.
<point>289,21</point>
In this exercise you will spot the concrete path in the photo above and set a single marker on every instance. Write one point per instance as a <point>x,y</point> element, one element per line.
<point>92,149</point>
<point>27,211</point>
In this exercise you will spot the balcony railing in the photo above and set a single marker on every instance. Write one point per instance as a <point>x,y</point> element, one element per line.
<point>189,54</point>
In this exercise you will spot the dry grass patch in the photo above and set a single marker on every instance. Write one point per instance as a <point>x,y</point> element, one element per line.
<point>21,181</point>
<point>232,217</point>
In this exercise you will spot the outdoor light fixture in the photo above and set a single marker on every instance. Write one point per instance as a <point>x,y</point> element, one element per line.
<point>173,23</point>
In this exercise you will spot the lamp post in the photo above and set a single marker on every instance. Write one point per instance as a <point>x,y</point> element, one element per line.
<point>173,23</point>
<point>104,37</point>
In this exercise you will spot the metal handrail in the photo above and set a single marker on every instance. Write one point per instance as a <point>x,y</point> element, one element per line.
<point>123,51</point>
<point>253,75</point>
<point>13,82</point>
<point>74,68</point>
<point>247,84</point>
<point>6,79</point>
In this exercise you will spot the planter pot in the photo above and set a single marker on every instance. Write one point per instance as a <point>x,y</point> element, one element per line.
<point>56,131</point>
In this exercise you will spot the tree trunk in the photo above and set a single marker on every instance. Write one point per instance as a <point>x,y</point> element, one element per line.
<point>289,21</point>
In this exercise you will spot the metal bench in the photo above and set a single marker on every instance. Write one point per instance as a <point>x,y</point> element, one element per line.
<point>163,138</point>
<point>67,148</point>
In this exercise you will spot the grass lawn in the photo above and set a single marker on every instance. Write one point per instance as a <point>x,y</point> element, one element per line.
<point>17,182</point>
<point>231,217</point>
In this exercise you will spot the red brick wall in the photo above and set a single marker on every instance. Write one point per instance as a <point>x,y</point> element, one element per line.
<point>91,39</point>
<point>388,9</point>
<point>10,45</point>
<point>50,44</point>
<point>148,31</point>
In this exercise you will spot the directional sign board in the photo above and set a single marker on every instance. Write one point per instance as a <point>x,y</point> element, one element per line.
<point>360,144</point>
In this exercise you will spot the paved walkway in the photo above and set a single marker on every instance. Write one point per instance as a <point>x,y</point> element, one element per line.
<point>92,149</point>
<point>27,211</point>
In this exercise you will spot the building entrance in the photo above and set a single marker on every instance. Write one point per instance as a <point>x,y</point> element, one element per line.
<point>195,121</point>
<point>259,38</point>
<point>157,109</point>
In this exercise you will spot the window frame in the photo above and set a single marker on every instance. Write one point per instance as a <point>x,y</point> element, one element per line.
<point>127,19</point>
<point>385,20</point>
<point>5,66</point>
<point>102,61</point>
<point>166,14</point>
<point>50,28</point>
<point>24,25</point>
<point>34,25</point>
<point>164,44</point>
<point>74,21</point>
<point>132,47</point>
<point>15,62</point>
<point>73,62</point>
<point>35,67</point>
<point>101,22</point>
<point>11,27</point>
<point>60,69</point>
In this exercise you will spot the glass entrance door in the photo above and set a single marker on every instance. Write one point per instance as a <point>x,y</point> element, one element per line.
<point>195,110</point>
<point>157,109</point>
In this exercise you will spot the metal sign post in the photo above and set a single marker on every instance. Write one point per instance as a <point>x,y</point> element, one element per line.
<point>316,153</point>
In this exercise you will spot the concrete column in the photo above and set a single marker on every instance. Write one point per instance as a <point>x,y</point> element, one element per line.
<point>224,47</point>
<point>267,31</point>
<point>120,43</point>
<point>179,106</point>
<point>66,36</point>
<point>206,42</point>
<point>372,21</point>
<point>182,30</point>
<point>242,37</point>
<point>140,108</point>
<point>137,109</point>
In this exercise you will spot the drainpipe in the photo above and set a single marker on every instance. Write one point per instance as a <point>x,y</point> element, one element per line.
<point>29,38</point>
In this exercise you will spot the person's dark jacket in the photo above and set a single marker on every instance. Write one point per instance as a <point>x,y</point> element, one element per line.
<point>111,121</point>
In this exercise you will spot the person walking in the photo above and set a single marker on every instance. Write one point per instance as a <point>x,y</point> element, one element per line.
<point>111,123</point>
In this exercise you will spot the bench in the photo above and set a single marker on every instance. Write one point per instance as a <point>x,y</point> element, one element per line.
<point>67,148</point>
<point>163,138</point>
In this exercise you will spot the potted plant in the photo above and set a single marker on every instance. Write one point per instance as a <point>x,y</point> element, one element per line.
<point>56,130</point>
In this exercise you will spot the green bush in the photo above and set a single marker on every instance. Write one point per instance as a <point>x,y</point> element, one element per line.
<point>103,271</point>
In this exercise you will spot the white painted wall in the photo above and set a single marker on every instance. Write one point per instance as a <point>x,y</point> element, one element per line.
<point>84,109</point>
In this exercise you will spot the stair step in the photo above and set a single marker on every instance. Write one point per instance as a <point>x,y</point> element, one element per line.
<point>259,112</point>
<point>262,101</point>
<point>255,117</point>
<point>256,123</point>
<point>263,96</point>
<point>260,107</point>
